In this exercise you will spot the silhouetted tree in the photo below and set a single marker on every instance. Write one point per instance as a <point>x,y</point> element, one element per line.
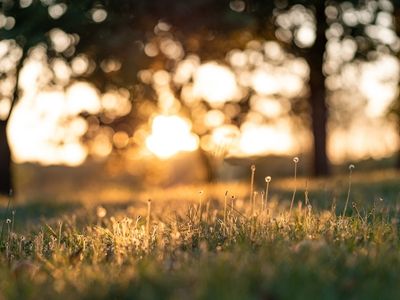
<point>116,31</point>
<point>395,107</point>
<point>358,21</point>
<point>101,31</point>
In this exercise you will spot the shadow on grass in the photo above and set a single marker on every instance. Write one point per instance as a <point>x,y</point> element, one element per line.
<point>33,212</point>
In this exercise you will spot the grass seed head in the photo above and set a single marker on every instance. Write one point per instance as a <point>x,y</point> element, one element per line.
<point>101,212</point>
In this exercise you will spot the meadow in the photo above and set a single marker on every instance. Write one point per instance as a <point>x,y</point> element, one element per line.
<point>288,238</point>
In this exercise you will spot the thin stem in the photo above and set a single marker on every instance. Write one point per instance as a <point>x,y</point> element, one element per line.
<point>296,161</point>
<point>200,206</point>
<point>351,167</point>
<point>267,180</point>
<point>262,200</point>
<point>253,170</point>
<point>148,218</point>
<point>225,204</point>
<point>207,210</point>
<point>253,204</point>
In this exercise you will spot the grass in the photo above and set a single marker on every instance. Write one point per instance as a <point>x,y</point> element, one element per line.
<point>221,243</point>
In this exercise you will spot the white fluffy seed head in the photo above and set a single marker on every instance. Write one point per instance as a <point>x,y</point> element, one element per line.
<point>101,212</point>
<point>296,160</point>
<point>351,167</point>
<point>253,167</point>
<point>268,179</point>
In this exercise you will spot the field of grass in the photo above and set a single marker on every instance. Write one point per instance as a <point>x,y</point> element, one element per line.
<point>210,242</point>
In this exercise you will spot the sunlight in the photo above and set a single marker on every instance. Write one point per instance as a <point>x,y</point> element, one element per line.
<point>266,139</point>
<point>171,135</point>
<point>38,134</point>
<point>378,84</point>
<point>363,139</point>
<point>215,83</point>
<point>45,127</point>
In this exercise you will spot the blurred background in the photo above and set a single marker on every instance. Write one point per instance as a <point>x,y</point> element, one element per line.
<point>138,94</point>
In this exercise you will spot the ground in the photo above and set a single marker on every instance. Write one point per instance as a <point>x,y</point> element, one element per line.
<point>187,244</point>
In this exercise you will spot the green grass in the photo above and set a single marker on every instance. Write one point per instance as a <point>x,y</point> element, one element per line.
<point>70,251</point>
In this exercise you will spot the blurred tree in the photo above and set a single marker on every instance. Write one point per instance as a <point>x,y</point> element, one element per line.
<point>104,42</point>
<point>394,110</point>
<point>360,31</point>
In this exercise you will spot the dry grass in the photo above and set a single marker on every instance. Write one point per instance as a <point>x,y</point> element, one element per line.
<point>172,249</point>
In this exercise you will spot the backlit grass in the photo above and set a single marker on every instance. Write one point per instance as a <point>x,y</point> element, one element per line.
<point>211,245</point>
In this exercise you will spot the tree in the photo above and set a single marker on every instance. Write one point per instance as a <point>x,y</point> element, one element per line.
<point>359,23</point>
<point>303,28</point>
<point>102,32</point>
<point>111,35</point>
<point>394,110</point>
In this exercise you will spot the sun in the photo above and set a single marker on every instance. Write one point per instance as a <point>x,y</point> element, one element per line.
<point>171,135</point>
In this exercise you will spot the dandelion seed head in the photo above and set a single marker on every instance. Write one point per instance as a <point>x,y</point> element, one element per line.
<point>268,179</point>
<point>101,212</point>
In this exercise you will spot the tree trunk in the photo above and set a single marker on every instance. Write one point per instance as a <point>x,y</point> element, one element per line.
<point>208,166</point>
<point>398,151</point>
<point>396,15</point>
<point>5,161</point>
<point>6,180</point>
<point>317,98</point>
<point>398,160</point>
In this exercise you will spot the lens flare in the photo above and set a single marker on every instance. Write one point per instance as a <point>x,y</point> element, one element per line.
<point>171,135</point>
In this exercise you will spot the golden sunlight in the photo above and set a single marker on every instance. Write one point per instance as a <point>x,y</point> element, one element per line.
<point>215,83</point>
<point>266,139</point>
<point>171,135</point>
<point>45,127</point>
